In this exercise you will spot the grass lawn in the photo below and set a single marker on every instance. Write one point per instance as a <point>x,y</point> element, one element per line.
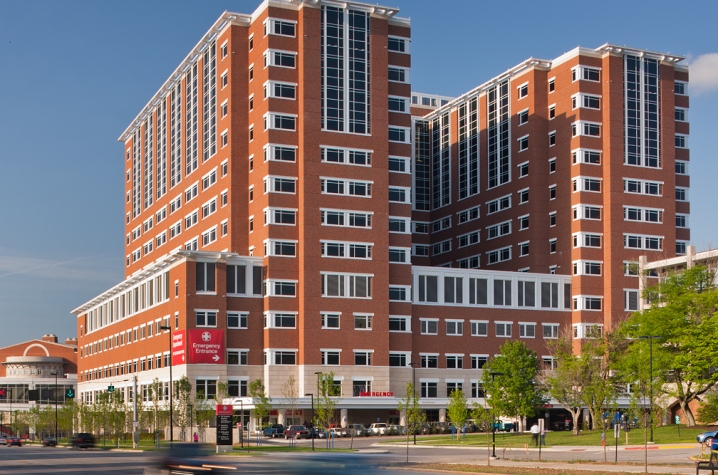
<point>661,435</point>
<point>508,470</point>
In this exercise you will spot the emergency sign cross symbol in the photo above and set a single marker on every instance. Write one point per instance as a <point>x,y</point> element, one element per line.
<point>206,336</point>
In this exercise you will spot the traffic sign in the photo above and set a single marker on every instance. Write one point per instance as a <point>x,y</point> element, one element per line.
<point>3,393</point>
<point>70,394</point>
<point>111,389</point>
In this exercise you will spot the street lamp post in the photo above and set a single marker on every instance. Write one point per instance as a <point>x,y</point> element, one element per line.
<point>493,423</point>
<point>312,396</point>
<point>413,365</point>
<point>169,332</point>
<point>650,339</point>
<point>54,372</point>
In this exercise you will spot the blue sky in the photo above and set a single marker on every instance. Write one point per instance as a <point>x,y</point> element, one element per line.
<point>75,74</point>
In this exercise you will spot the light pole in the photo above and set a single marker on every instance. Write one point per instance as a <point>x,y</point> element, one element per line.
<point>493,424</point>
<point>650,339</point>
<point>413,365</point>
<point>312,396</point>
<point>169,332</point>
<point>54,372</point>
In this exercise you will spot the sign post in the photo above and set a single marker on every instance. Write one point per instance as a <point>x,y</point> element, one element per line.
<point>224,428</point>
<point>678,424</point>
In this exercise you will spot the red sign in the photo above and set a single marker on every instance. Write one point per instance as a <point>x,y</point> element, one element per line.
<point>205,346</point>
<point>376,394</point>
<point>178,348</point>
<point>223,410</point>
<point>2,393</point>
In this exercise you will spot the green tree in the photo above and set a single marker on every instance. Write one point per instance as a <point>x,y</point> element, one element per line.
<point>326,404</point>
<point>580,380</point>
<point>33,418</point>
<point>708,412</point>
<point>510,381</point>
<point>183,406</point>
<point>290,392</point>
<point>409,407</point>
<point>458,410</point>
<point>117,417</point>
<point>222,391</point>
<point>683,315</point>
<point>67,417</point>
<point>262,402</point>
<point>203,412</point>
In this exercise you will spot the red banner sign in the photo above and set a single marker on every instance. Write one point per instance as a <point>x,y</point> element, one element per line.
<point>376,394</point>
<point>223,410</point>
<point>205,346</point>
<point>178,348</point>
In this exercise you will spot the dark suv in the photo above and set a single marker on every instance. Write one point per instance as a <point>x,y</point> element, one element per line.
<point>83,440</point>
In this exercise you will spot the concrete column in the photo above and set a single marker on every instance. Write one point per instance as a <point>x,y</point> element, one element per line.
<point>344,417</point>
<point>442,415</point>
<point>280,417</point>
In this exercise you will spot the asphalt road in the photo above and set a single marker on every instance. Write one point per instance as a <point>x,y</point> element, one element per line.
<point>371,458</point>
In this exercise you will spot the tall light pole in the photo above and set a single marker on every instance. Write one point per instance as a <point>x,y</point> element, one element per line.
<point>413,365</point>
<point>54,372</point>
<point>493,424</point>
<point>312,396</point>
<point>650,339</point>
<point>169,332</point>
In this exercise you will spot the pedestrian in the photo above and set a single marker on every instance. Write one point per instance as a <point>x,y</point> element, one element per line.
<point>196,438</point>
<point>535,434</point>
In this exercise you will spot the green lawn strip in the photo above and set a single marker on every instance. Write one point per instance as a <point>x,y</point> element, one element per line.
<point>506,470</point>
<point>661,435</point>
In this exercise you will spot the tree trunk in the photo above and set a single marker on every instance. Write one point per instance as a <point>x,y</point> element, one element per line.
<point>574,415</point>
<point>690,420</point>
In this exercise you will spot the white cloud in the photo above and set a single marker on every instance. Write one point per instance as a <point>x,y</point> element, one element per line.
<point>704,73</point>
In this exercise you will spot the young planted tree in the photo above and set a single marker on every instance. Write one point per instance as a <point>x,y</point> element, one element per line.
<point>290,392</point>
<point>67,417</point>
<point>683,317</point>
<point>326,405</point>
<point>581,380</point>
<point>458,410</point>
<point>511,382</point>
<point>409,407</point>
<point>262,402</point>
<point>117,416</point>
<point>203,413</point>
<point>183,406</point>
<point>222,391</point>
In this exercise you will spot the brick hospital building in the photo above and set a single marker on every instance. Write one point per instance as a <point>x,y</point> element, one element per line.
<point>293,208</point>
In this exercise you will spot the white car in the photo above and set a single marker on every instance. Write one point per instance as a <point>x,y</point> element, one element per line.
<point>378,429</point>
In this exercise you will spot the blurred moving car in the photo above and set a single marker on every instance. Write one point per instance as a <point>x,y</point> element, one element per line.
<point>82,440</point>
<point>274,431</point>
<point>49,442</point>
<point>378,428</point>
<point>12,440</point>
<point>298,432</point>
<point>187,458</point>
<point>707,437</point>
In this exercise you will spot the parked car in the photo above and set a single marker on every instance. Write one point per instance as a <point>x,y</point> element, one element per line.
<point>707,437</point>
<point>338,432</point>
<point>12,440</point>
<point>49,442</point>
<point>192,458</point>
<point>83,440</point>
<point>378,428</point>
<point>3,439</point>
<point>396,430</point>
<point>274,431</point>
<point>297,432</point>
<point>357,430</point>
